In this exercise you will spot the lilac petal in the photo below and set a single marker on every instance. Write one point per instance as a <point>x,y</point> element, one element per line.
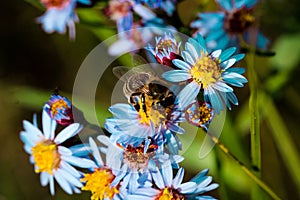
<point>144,12</point>
<point>67,133</point>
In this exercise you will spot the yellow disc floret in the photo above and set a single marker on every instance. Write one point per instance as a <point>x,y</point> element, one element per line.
<point>46,156</point>
<point>206,71</point>
<point>58,105</point>
<point>99,183</point>
<point>169,194</point>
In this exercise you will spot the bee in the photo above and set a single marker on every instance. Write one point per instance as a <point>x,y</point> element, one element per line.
<point>145,90</point>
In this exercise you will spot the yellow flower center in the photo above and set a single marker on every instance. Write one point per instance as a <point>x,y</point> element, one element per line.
<point>98,183</point>
<point>46,156</point>
<point>199,113</point>
<point>58,105</point>
<point>169,194</point>
<point>206,71</point>
<point>238,20</point>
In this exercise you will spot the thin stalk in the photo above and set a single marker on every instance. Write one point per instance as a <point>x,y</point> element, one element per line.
<point>254,115</point>
<point>256,179</point>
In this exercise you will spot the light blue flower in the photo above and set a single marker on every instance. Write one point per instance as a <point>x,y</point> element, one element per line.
<point>166,5</point>
<point>60,16</point>
<point>136,162</point>
<point>222,29</point>
<point>52,160</point>
<point>210,72</point>
<point>173,188</point>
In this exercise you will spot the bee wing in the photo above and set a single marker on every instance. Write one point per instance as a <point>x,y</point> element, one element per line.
<point>138,60</point>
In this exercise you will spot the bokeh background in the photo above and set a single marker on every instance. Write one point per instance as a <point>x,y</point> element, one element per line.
<point>33,64</point>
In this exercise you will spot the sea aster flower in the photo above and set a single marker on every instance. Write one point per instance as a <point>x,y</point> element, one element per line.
<point>209,72</point>
<point>50,158</point>
<point>169,188</point>
<point>222,29</point>
<point>99,181</point>
<point>59,108</point>
<point>137,162</point>
<point>166,5</point>
<point>59,15</point>
<point>166,49</point>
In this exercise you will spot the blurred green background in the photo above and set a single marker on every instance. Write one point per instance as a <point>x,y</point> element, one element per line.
<point>33,64</point>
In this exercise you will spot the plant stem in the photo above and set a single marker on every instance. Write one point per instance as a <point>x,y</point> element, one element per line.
<point>256,179</point>
<point>254,115</point>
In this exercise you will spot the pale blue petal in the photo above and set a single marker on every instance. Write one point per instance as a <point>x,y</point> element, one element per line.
<point>51,184</point>
<point>71,179</point>
<point>176,75</point>
<point>79,162</point>
<point>192,51</point>
<point>216,54</point>
<point>44,178</point>
<point>221,86</point>
<point>228,63</point>
<point>227,53</point>
<point>188,187</point>
<point>187,57</point>
<point>62,182</point>
<point>178,178</point>
<point>167,174</point>
<point>65,166</point>
<point>187,95</point>
<point>67,133</point>
<point>157,177</point>
<point>181,64</point>
<point>238,57</point>
<point>96,152</point>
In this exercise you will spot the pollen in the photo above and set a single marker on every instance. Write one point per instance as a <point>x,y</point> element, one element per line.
<point>136,158</point>
<point>169,194</point>
<point>199,114</point>
<point>206,71</point>
<point>99,183</point>
<point>46,157</point>
<point>149,111</point>
<point>58,106</point>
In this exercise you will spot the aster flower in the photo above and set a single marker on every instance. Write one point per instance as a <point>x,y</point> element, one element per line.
<point>222,28</point>
<point>50,158</point>
<point>59,108</point>
<point>60,15</point>
<point>138,35</point>
<point>166,5</point>
<point>136,162</point>
<point>169,188</point>
<point>99,180</point>
<point>199,114</point>
<point>166,49</point>
<point>209,72</point>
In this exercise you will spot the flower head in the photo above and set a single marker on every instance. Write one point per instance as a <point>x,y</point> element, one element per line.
<point>222,28</point>
<point>169,188</point>
<point>59,108</point>
<point>99,180</point>
<point>59,16</point>
<point>208,72</point>
<point>166,49</point>
<point>50,158</point>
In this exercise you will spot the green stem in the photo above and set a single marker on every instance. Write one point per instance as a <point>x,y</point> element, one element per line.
<point>254,115</point>
<point>256,179</point>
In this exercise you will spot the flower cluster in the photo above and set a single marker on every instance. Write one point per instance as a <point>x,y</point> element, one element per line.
<point>143,148</point>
